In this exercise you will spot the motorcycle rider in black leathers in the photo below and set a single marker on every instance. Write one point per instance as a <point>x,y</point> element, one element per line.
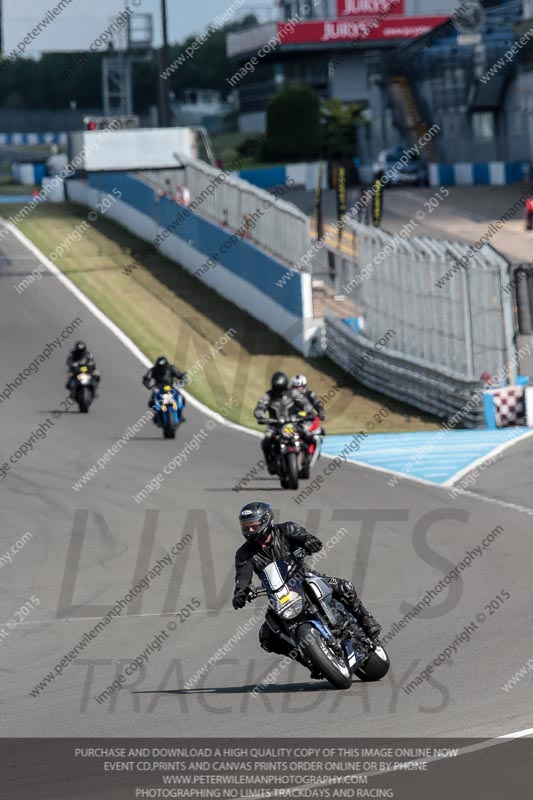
<point>267,542</point>
<point>80,353</point>
<point>279,402</point>
<point>162,374</point>
<point>299,382</point>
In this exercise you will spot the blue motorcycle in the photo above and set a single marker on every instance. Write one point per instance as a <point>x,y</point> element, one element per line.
<point>168,404</point>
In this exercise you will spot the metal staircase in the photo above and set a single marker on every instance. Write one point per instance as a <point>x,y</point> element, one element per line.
<point>406,112</point>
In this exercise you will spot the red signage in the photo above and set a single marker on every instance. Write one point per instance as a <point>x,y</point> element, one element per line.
<point>369,8</point>
<point>330,31</point>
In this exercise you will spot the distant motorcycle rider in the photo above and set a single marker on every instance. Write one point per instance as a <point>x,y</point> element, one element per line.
<point>267,541</point>
<point>162,374</point>
<point>278,403</point>
<point>80,352</point>
<point>299,382</point>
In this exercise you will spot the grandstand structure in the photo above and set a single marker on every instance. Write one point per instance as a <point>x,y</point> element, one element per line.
<point>473,86</point>
<point>326,44</point>
<point>413,66</point>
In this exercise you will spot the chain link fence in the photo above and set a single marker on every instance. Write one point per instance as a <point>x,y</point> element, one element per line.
<point>445,301</point>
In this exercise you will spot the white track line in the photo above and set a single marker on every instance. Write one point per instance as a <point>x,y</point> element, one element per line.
<point>174,613</point>
<point>126,341</point>
<point>497,501</point>
<point>132,347</point>
<point>462,751</point>
<point>145,361</point>
<point>488,457</point>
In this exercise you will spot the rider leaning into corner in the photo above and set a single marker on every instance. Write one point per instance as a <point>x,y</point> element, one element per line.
<point>266,541</point>
<point>162,374</point>
<point>279,402</point>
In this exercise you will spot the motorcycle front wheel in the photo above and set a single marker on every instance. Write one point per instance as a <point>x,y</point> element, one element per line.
<point>305,467</point>
<point>291,462</point>
<point>317,650</point>
<point>170,431</point>
<point>84,399</point>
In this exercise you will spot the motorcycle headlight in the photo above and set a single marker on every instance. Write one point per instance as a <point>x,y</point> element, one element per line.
<point>288,430</point>
<point>293,610</point>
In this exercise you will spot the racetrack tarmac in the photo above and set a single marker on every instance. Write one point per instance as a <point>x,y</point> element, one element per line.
<point>89,547</point>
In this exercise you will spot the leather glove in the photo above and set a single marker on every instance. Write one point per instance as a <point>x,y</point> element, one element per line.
<point>300,553</point>
<point>239,598</point>
<point>313,546</point>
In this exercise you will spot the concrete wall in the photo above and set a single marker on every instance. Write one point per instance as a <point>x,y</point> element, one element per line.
<point>244,274</point>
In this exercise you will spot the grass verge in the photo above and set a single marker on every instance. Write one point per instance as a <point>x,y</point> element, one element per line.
<point>164,309</point>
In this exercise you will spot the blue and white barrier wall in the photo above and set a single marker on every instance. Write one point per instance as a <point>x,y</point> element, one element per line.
<point>490,173</point>
<point>254,280</point>
<point>305,174</point>
<point>28,174</point>
<point>33,138</point>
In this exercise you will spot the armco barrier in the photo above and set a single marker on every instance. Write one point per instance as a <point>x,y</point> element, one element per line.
<point>437,391</point>
<point>243,274</point>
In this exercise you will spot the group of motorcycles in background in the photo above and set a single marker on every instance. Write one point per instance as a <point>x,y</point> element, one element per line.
<point>292,413</point>
<point>322,634</point>
<point>166,400</point>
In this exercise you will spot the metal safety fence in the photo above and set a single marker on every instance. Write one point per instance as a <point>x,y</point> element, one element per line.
<point>521,287</point>
<point>446,303</point>
<point>438,391</point>
<point>274,224</point>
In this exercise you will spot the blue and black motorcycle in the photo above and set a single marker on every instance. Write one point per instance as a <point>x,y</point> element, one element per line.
<point>321,633</point>
<point>168,404</point>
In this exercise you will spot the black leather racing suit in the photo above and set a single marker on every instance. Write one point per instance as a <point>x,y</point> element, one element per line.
<point>287,537</point>
<point>156,379</point>
<point>316,402</point>
<point>278,406</point>
<point>74,358</point>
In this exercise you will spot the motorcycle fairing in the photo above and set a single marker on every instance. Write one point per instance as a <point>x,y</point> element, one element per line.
<point>275,577</point>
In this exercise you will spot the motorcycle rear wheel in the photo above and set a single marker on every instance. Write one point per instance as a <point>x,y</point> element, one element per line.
<point>374,669</point>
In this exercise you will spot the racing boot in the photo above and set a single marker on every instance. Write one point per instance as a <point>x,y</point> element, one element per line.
<point>345,591</point>
<point>369,624</point>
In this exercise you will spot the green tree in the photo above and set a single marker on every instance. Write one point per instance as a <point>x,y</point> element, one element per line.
<point>209,66</point>
<point>37,84</point>
<point>293,124</point>
<point>339,128</point>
